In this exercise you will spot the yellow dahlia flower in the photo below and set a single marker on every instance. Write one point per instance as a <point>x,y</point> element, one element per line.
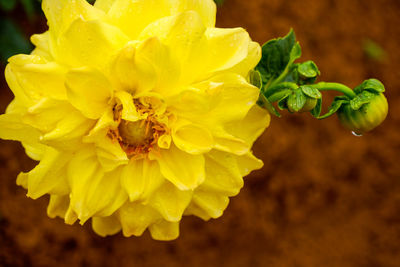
<point>138,111</point>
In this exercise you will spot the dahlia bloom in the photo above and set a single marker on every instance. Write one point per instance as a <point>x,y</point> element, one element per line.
<point>138,111</point>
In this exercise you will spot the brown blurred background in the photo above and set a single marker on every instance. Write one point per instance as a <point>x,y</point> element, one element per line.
<point>324,196</point>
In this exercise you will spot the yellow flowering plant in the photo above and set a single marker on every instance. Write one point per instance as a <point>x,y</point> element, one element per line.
<point>142,111</point>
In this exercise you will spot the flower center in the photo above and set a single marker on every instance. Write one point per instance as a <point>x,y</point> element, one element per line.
<point>135,133</point>
<point>138,138</point>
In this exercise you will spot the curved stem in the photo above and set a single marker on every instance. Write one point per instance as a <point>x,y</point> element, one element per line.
<point>285,85</point>
<point>264,103</point>
<point>323,86</point>
<point>282,76</point>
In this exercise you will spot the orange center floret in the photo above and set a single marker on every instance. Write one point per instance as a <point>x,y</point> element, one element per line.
<point>137,138</point>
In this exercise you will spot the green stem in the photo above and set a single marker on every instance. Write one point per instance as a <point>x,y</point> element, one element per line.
<point>282,76</point>
<point>323,86</point>
<point>285,85</point>
<point>263,102</point>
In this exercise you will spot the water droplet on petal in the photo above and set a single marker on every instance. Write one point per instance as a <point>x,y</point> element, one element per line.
<point>356,134</point>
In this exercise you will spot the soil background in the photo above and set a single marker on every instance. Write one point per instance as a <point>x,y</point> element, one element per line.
<point>323,198</point>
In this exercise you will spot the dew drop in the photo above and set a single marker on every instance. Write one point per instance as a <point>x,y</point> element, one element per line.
<point>356,134</point>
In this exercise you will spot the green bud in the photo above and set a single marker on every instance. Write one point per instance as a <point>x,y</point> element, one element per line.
<point>364,118</point>
<point>309,105</point>
<point>303,99</point>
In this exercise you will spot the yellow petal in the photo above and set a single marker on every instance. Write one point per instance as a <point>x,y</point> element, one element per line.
<point>22,97</point>
<point>219,50</point>
<point>250,62</point>
<point>109,152</point>
<point>89,43</point>
<point>184,170</point>
<point>141,178</point>
<point>89,91</point>
<point>135,218</point>
<point>129,112</point>
<point>49,175</point>
<point>219,100</point>
<point>184,35</point>
<point>105,226</point>
<point>58,206</point>
<point>133,16</point>
<point>22,179</point>
<point>224,141</point>
<point>195,210</point>
<point>53,11</point>
<point>225,47</point>
<point>251,126</point>
<point>68,133</point>
<point>182,32</point>
<point>164,230</point>
<point>47,113</point>
<point>132,73</point>
<point>15,107</point>
<point>248,163</point>
<point>192,103</point>
<point>170,202</point>
<point>70,216</point>
<point>93,192</point>
<point>205,8</point>
<point>43,45</point>
<point>222,173</point>
<point>164,141</point>
<point>165,64</point>
<point>104,5</point>
<point>42,41</point>
<point>213,204</point>
<point>62,125</point>
<point>105,122</point>
<point>12,128</point>
<point>35,150</point>
<point>192,138</point>
<point>61,13</point>
<point>37,77</point>
<point>233,97</point>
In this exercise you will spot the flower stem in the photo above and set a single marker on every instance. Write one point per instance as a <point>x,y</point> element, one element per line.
<point>323,86</point>
<point>285,85</point>
<point>281,77</point>
<point>264,103</point>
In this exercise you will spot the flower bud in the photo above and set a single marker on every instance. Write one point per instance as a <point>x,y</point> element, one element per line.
<point>303,99</point>
<point>367,117</point>
<point>308,106</point>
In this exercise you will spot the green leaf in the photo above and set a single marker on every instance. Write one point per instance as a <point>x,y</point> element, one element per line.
<point>363,98</point>
<point>8,5</point>
<point>293,75</point>
<point>303,73</point>
<point>311,91</point>
<point>372,85</point>
<point>255,78</point>
<point>336,104</point>
<point>308,70</point>
<point>316,111</point>
<point>296,100</point>
<point>277,56</point>
<point>12,41</point>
